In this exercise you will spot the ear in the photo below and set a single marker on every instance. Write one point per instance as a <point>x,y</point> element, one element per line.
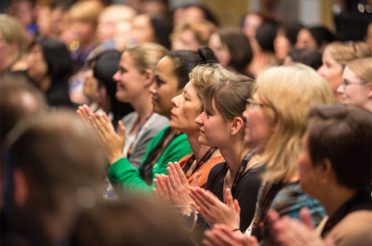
<point>324,171</point>
<point>236,125</point>
<point>21,190</point>
<point>148,77</point>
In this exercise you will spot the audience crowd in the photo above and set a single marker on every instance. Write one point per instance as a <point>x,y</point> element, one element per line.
<point>137,124</point>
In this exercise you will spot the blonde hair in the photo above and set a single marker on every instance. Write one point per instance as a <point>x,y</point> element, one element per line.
<point>86,11</point>
<point>344,53</point>
<point>362,68</point>
<point>290,92</point>
<point>203,75</point>
<point>13,32</point>
<point>201,29</point>
<point>146,55</point>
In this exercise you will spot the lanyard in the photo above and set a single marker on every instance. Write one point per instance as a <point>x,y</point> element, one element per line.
<point>191,160</point>
<point>238,177</point>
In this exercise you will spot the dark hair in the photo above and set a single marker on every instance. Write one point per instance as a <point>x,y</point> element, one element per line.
<point>310,57</point>
<point>60,69</point>
<point>209,16</point>
<point>322,35</point>
<point>265,36</point>
<point>105,65</point>
<point>239,48</point>
<point>291,30</point>
<point>163,27</point>
<point>185,60</point>
<point>11,109</point>
<point>342,134</point>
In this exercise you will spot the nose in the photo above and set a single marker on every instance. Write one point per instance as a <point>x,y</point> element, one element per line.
<point>175,100</point>
<point>321,70</point>
<point>116,76</point>
<point>153,89</point>
<point>199,119</point>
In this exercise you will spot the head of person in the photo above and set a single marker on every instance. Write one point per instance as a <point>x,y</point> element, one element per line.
<point>250,22</point>
<point>136,221</point>
<point>151,28</point>
<point>309,57</point>
<point>265,36</point>
<point>18,100</point>
<point>110,18</point>
<point>356,85</point>
<point>221,123</point>
<point>53,167</point>
<point>316,37</point>
<point>232,48</point>
<point>336,56</point>
<point>49,58</point>
<point>135,75</point>
<point>172,74</point>
<point>189,104</point>
<point>276,115</point>
<point>83,17</point>
<point>192,35</point>
<point>285,39</point>
<point>104,66</point>
<point>192,12</point>
<point>337,150</point>
<point>13,43</point>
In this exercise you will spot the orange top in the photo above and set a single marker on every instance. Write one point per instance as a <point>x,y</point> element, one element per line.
<point>203,169</point>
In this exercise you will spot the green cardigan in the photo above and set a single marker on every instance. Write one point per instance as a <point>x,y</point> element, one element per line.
<point>122,172</point>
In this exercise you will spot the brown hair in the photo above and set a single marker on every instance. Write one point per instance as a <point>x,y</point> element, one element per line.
<point>342,134</point>
<point>201,29</point>
<point>229,95</point>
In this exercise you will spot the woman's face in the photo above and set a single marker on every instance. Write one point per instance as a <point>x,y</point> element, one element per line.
<point>129,80</point>
<point>213,129</point>
<point>219,49</point>
<point>37,66</point>
<point>185,40</point>
<point>331,70</point>
<point>259,125</point>
<point>142,30</point>
<point>352,89</point>
<point>186,107</point>
<point>305,40</point>
<point>281,46</point>
<point>165,87</point>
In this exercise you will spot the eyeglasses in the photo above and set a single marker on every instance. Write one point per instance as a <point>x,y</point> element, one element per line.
<point>346,82</point>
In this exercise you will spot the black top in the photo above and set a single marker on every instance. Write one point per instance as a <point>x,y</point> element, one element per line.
<point>246,190</point>
<point>361,201</point>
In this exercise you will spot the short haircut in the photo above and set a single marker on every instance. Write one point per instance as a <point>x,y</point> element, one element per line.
<point>342,134</point>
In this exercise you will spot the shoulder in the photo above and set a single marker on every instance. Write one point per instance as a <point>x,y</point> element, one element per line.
<point>131,117</point>
<point>354,229</point>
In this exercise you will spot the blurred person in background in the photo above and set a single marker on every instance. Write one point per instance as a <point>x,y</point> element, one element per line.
<point>50,67</point>
<point>13,45</point>
<point>193,12</point>
<point>285,39</point>
<point>316,37</point>
<point>356,85</point>
<point>191,35</point>
<point>336,56</point>
<point>232,49</point>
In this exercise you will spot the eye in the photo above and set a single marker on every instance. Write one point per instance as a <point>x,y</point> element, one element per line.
<point>158,81</point>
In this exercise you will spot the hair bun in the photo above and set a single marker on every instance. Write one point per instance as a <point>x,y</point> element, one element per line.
<point>207,55</point>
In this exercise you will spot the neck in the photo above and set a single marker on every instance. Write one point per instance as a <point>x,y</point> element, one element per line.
<point>335,197</point>
<point>233,155</point>
<point>198,149</point>
<point>143,106</point>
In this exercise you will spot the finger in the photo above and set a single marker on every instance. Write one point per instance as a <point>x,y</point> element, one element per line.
<point>228,198</point>
<point>176,176</point>
<point>121,129</point>
<point>237,207</point>
<point>213,238</point>
<point>195,181</point>
<point>208,196</point>
<point>306,217</point>
<point>181,173</point>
